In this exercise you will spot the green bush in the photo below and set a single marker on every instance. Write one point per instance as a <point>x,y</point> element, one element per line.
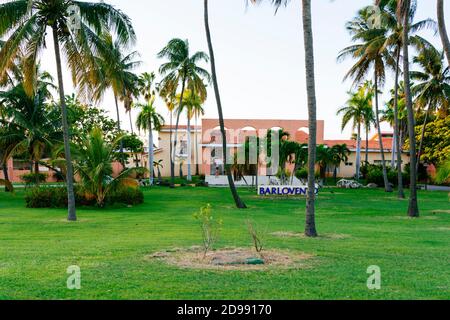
<point>375,175</point>
<point>129,196</point>
<point>47,197</point>
<point>31,178</point>
<point>301,174</point>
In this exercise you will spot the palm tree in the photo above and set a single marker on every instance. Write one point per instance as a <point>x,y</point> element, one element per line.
<point>148,120</point>
<point>115,72</point>
<point>340,155</point>
<point>371,54</point>
<point>182,69</point>
<point>369,121</point>
<point>238,201</point>
<point>356,112</point>
<point>26,22</point>
<point>94,158</point>
<point>310,227</point>
<point>193,105</point>
<point>28,127</point>
<point>403,9</point>
<point>443,29</point>
<point>432,88</point>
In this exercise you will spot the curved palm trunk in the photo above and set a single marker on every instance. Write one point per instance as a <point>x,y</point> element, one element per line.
<point>189,150</point>
<point>175,142</point>
<point>413,209</point>
<point>443,29</point>
<point>36,172</point>
<point>150,152</point>
<point>6,176</point>
<point>238,201</point>
<point>397,134</point>
<point>69,175</point>
<point>131,122</point>
<point>118,128</point>
<point>358,154</point>
<point>422,137</point>
<point>387,186</point>
<point>310,227</point>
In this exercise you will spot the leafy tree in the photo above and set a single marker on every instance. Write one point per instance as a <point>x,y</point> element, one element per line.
<point>26,23</point>
<point>340,155</point>
<point>443,174</point>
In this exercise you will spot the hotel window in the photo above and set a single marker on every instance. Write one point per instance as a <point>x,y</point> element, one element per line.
<point>349,164</point>
<point>21,165</point>
<point>182,151</point>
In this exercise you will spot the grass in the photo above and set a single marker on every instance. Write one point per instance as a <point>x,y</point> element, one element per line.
<point>111,246</point>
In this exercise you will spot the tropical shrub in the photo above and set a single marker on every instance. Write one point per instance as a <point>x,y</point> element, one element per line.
<point>129,196</point>
<point>48,197</point>
<point>93,164</point>
<point>301,174</point>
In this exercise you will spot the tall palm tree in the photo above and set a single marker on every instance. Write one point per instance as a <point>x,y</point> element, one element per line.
<point>369,121</point>
<point>26,23</point>
<point>310,227</point>
<point>356,111</point>
<point>403,9</point>
<point>183,70</point>
<point>149,120</point>
<point>432,88</point>
<point>238,201</point>
<point>115,73</point>
<point>371,54</point>
<point>391,22</point>
<point>192,104</point>
<point>443,29</point>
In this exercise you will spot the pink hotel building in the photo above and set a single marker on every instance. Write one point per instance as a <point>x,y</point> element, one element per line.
<point>205,144</point>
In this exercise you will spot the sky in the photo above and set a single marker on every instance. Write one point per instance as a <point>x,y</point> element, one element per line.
<point>260,60</point>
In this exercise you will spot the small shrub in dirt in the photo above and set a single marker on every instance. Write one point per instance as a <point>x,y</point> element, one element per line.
<point>210,227</point>
<point>257,237</point>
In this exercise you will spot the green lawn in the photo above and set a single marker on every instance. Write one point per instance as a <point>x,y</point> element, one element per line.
<point>110,246</point>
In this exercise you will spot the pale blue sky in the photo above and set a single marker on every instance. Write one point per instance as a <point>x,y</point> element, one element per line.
<point>259,55</point>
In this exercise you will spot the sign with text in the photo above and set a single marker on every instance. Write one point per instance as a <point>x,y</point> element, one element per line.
<point>284,190</point>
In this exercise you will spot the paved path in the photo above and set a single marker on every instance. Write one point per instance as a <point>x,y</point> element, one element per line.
<point>438,188</point>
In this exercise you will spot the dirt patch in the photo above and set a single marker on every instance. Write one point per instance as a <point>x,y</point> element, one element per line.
<point>230,259</point>
<point>329,236</point>
<point>440,211</point>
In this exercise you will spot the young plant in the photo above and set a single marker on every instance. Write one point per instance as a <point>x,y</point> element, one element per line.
<point>257,237</point>
<point>210,227</point>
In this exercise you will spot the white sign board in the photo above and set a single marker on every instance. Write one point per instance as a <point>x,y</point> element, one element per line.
<point>284,190</point>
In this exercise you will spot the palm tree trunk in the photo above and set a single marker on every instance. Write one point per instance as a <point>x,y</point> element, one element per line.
<point>69,175</point>
<point>310,227</point>
<point>131,122</point>
<point>189,149</point>
<point>6,175</point>
<point>175,142</point>
<point>150,152</point>
<point>397,131</point>
<point>394,151</point>
<point>238,201</point>
<point>197,166</point>
<point>387,186</point>
<point>358,154</point>
<point>413,209</point>
<point>122,160</point>
<point>443,29</point>
<point>422,136</point>
<point>367,144</point>
<point>36,172</point>
<point>172,160</point>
